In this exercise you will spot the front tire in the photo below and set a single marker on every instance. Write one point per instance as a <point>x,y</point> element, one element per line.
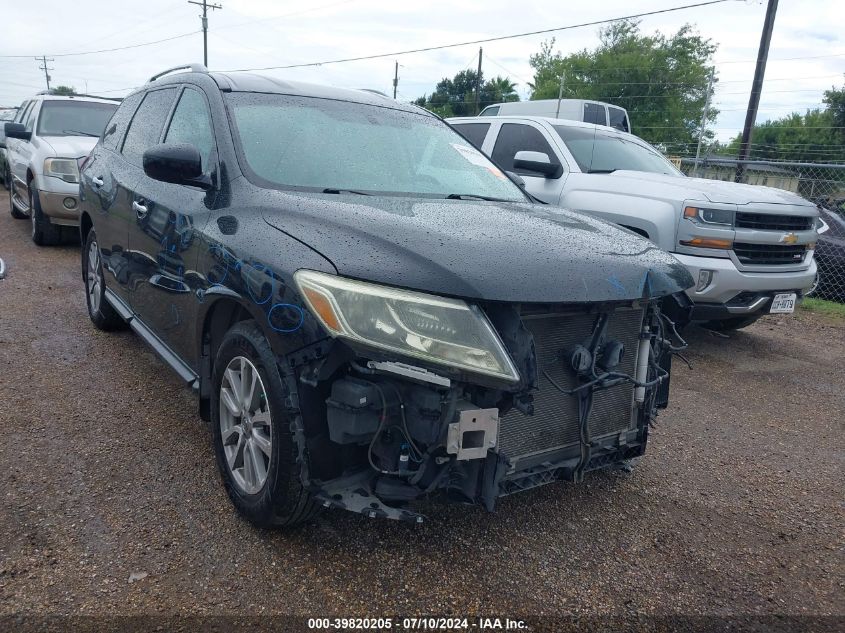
<point>102,314</point>
<point>44,233</point>
<point>255,448</point>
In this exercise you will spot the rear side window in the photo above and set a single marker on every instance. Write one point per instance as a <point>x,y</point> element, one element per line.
<point>515,137</point>
<point>191,123</point>
<point>473,132</point>
<point>594,113</point>
<point>146,126</point>
<point>490,111</point>
<point>118,123</point>
<point>618,119</point>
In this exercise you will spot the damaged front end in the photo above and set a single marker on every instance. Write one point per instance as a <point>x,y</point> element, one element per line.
<point>543,392</point>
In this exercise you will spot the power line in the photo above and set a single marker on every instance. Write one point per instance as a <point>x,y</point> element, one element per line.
<point>204,17</point>
<point>108,50</point>
<point>486,40</point>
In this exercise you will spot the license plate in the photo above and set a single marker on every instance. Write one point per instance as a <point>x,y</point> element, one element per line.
<point>784,303</point>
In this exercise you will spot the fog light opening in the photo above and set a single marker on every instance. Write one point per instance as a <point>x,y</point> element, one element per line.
<point>69,203</point>
<point>704,279</point>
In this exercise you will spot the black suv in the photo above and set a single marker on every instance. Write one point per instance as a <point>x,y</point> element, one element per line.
<point>369,310</point>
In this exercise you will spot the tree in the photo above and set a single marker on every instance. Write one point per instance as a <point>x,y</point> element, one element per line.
<point>456,96</point>
<point>815,136</point>
<point>65,91</point>
<point>661,81</point>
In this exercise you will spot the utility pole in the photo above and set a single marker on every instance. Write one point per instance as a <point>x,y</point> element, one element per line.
<point>704,118</point>
<point>395,79</point>
<point>205,7</point>
<point>560,94</point>
<point>756,89</point>
<point>43,59</point>
<point>478,83</point>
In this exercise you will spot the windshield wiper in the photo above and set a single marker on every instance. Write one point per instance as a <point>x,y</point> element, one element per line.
<point>357,193</point>
<point>600,171</point>
<point>473,196</point>
<point>79,133</point>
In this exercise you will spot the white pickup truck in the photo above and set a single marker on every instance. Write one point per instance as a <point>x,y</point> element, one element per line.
<point>749,248</point>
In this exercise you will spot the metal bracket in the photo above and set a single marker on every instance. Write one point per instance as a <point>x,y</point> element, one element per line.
<point>409,371</point>
<point>475,432</point>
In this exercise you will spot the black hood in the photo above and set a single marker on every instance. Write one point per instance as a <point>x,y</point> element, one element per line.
<point>496,251</point>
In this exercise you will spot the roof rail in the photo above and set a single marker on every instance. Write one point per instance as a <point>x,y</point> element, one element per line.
<point>194,68</point>
<point>375,92</point>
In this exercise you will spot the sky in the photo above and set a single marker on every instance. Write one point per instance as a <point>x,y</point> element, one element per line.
<point>260,33</point>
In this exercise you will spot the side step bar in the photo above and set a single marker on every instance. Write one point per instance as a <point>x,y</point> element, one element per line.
<point>161,350</point>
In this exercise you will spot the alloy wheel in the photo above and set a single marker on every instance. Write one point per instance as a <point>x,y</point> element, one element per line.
<point>245,425</point>
<point>93,277</point>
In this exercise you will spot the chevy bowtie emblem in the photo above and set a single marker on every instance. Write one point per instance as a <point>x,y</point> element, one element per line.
<point>788,238</point>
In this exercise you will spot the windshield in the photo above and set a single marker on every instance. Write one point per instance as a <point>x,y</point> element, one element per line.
<point>74,118</point>
<point>316,144</point>
<point>596,151</point>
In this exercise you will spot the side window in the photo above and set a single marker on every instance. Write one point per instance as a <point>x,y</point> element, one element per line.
<point>618,119</point>
<point>594,113</point>
<point>191,123</point>
<point>515,137</point>
<point>145,128</point>
<point>490,111</point>
<point>120,119</point>
<point>473,132</point>
<point>23,111</point>
<point>29,117</point>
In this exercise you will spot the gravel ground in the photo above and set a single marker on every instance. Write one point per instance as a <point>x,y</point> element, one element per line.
<point>112,504</point>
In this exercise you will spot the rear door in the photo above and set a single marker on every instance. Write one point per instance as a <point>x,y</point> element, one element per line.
<point>518,137</point>
<point>162,235</point>
<point>107,181</point>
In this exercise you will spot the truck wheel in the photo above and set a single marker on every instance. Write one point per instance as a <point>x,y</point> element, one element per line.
<point>729,325</point>
<point>103,316</point>
<point>255,448</point>
<point>44,233</point>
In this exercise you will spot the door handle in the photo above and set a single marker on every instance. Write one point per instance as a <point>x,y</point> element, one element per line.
<point>98,182</point>
<point>140,210</point>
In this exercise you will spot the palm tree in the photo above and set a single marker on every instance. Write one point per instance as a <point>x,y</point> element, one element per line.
<point>503,89</point>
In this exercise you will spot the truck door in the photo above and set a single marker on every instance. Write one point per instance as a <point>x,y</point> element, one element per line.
<point>518,137</point>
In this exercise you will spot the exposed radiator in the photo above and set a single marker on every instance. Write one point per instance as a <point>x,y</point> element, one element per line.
<point>554,424</point>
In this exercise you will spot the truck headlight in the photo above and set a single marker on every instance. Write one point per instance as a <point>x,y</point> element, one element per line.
<point>722,217</point>
<point>65,168</point>
<point>436,329</point>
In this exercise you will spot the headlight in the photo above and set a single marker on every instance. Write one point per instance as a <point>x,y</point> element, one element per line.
<point>65,168</point>
<point>436,329</point>
<point>721,217</point>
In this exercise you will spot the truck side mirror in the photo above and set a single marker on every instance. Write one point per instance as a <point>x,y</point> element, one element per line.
<point>17,130</point>
<point>539,162</point>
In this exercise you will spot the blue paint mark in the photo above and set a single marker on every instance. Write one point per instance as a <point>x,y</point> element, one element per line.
<point>294,311</point>
<point>613,281</point>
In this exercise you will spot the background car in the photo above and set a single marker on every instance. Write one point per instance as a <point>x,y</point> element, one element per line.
<point>748,247</point>
<point>6,114</point>
<point>44,146</point>
<point>830,251</point>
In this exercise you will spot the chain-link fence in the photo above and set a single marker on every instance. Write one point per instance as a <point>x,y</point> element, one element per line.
<point>822,183</point>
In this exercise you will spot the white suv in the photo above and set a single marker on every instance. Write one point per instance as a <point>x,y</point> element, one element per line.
<point>45,143</point>
<point>749,248</point>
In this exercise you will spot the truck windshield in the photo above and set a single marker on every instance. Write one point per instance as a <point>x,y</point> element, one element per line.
<point>74,118</point>
<point>596,151</point>
<point>317,144</point>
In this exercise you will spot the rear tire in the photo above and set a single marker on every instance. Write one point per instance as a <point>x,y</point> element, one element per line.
<point>44,233</point>
<point>103,315</point>
<point>255,448</point>
<point>730,325</point>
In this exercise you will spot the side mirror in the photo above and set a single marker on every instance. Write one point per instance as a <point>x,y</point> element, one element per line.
<point>17,130</point>
<point>179,163</point>
<point>537,161</point>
